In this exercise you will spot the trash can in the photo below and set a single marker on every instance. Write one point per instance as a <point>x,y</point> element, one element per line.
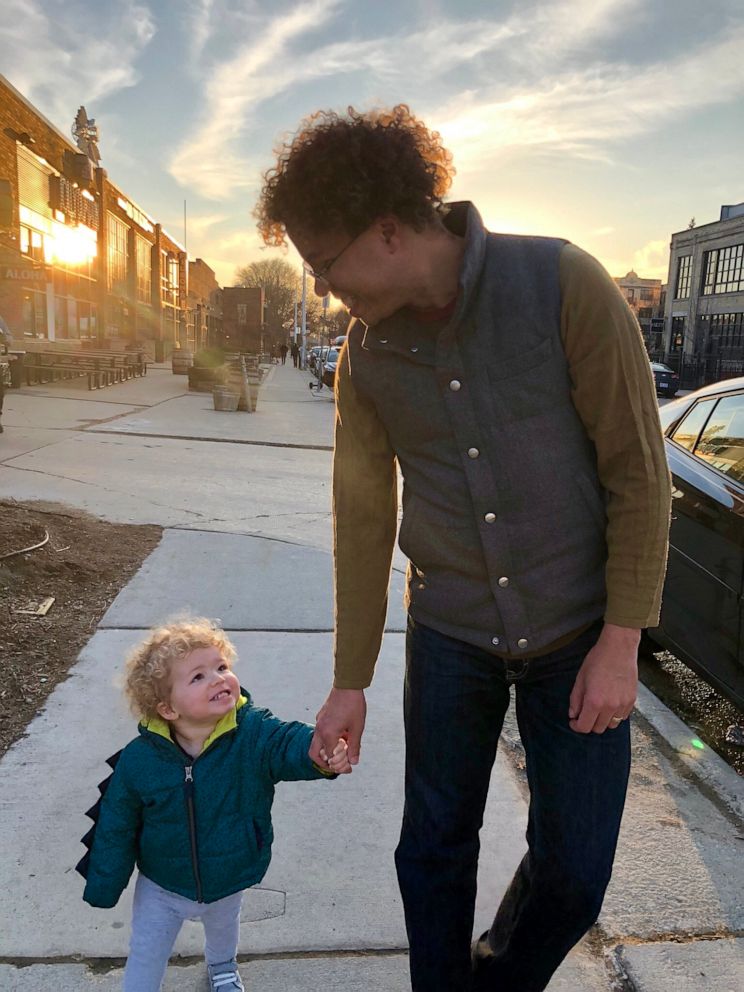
<point>16,368</point>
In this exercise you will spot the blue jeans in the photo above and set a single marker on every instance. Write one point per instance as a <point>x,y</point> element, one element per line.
<point>456,696</point>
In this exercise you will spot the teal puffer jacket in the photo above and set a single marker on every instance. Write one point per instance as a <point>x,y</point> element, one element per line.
<point>200,827</point>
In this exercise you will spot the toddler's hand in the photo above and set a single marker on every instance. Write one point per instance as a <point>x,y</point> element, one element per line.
<point>338,762</point>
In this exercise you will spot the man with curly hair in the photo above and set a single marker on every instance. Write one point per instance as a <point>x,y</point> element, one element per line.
<point>507,378</point>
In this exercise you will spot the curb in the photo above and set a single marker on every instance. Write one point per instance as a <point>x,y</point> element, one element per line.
<point>705,765</point>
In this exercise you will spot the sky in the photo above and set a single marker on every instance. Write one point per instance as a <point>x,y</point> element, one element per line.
<point>608,122</point>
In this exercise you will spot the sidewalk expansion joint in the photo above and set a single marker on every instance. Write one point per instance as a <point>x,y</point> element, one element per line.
<point>102,966</point>
<point>672,937</point>
<point>216,440</point>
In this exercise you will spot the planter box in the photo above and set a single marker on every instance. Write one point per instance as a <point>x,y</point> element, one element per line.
<point>203,379</point>
<point>225,399</point>
<point>181,361</point>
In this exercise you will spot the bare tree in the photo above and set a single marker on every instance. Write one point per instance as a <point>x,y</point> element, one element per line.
<point>282,286</point>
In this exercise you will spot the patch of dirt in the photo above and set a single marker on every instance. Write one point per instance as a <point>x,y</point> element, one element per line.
<point>83,565</point>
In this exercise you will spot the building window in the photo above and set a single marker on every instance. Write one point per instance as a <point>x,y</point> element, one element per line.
<point>684,269</point>
<point>723,270</point>
<point>174,277</point>
<point>242,313</point>
<point>32,243</point>
<point>144,270</point>
<point>725,331</point>
<point>169,278</point>
<point>117,254</point>
<point>87,319</point>
<point>647,294</point>
<point>677,339</point>
<point>34,314</point>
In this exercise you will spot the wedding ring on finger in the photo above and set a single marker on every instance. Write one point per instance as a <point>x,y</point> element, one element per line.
<point>616,719</point>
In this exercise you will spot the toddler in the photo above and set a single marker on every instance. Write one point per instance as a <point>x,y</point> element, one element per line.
<point>189,800</point>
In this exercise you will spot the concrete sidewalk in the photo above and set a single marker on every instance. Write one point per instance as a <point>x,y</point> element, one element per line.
<point>328,912</point>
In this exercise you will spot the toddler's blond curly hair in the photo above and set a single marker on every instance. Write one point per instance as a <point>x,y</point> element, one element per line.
<point>149,665</point>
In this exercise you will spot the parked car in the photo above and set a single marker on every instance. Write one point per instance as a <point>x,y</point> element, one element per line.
<point>666,380</point>
<point>337,342</point>
<point>329,367</point>
<point>702,615</point>
<point>316,352</point>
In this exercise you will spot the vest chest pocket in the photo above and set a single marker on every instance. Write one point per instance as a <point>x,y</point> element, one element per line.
<point>529,384</point>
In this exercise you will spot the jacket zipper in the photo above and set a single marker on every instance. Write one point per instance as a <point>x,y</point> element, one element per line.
<point>189,794</point>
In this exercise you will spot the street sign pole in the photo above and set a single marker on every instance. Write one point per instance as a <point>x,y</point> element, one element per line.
<point>303,353</point>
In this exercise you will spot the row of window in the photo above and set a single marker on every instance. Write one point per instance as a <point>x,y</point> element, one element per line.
<point>723,272</point>
<point>725,329</point>
<point>643,294</point>
<point>118,259</point>
<point>72,318</point>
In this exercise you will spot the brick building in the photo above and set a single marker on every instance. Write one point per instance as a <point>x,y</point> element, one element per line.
<point>644,299</point>
<point>242,318</point>
<point>80,262</point>
<point>204,315</point>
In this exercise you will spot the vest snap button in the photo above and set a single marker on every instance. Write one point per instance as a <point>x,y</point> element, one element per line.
<point>522,642</point>
<point>473,452</point>
<point>504,581</point>
<point>455,385</point>
<point>383,340</point>
<point>490,518</point>
<point>414,349</point>
<point>495,641</point>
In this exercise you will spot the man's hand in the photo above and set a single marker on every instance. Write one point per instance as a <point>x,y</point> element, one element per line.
<point>342,715</point>
<point>604,693</point>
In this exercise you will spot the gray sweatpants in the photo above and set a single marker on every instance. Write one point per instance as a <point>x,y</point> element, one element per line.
<point>157,917</point>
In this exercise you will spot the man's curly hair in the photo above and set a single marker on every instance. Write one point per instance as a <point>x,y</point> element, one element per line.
<point>149,665</point>
<point>340,173</point>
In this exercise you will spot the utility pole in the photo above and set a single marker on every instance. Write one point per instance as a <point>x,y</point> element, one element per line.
<point>303,353</point>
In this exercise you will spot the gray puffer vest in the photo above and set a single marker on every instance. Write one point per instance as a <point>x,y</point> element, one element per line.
<point>503,513</point>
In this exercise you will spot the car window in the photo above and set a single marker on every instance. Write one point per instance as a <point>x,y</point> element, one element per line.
<point>672,411</point>
<point>688,429</point>
<point>332,355</point>
<point>722,442</point>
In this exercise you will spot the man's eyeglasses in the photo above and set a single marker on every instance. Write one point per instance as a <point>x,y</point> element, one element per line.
<point>322,273</point>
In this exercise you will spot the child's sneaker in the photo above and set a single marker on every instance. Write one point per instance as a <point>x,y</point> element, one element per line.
<point>225,977</point>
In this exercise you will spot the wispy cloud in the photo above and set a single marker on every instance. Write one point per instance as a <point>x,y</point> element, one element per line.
<point>59,54</point>
<point>515,54</point>
<point>200,24</point>
<point>207,160</point>
<point>586,113</point>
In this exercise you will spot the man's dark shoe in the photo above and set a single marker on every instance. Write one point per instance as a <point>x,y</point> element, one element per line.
<point>480,956</point>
